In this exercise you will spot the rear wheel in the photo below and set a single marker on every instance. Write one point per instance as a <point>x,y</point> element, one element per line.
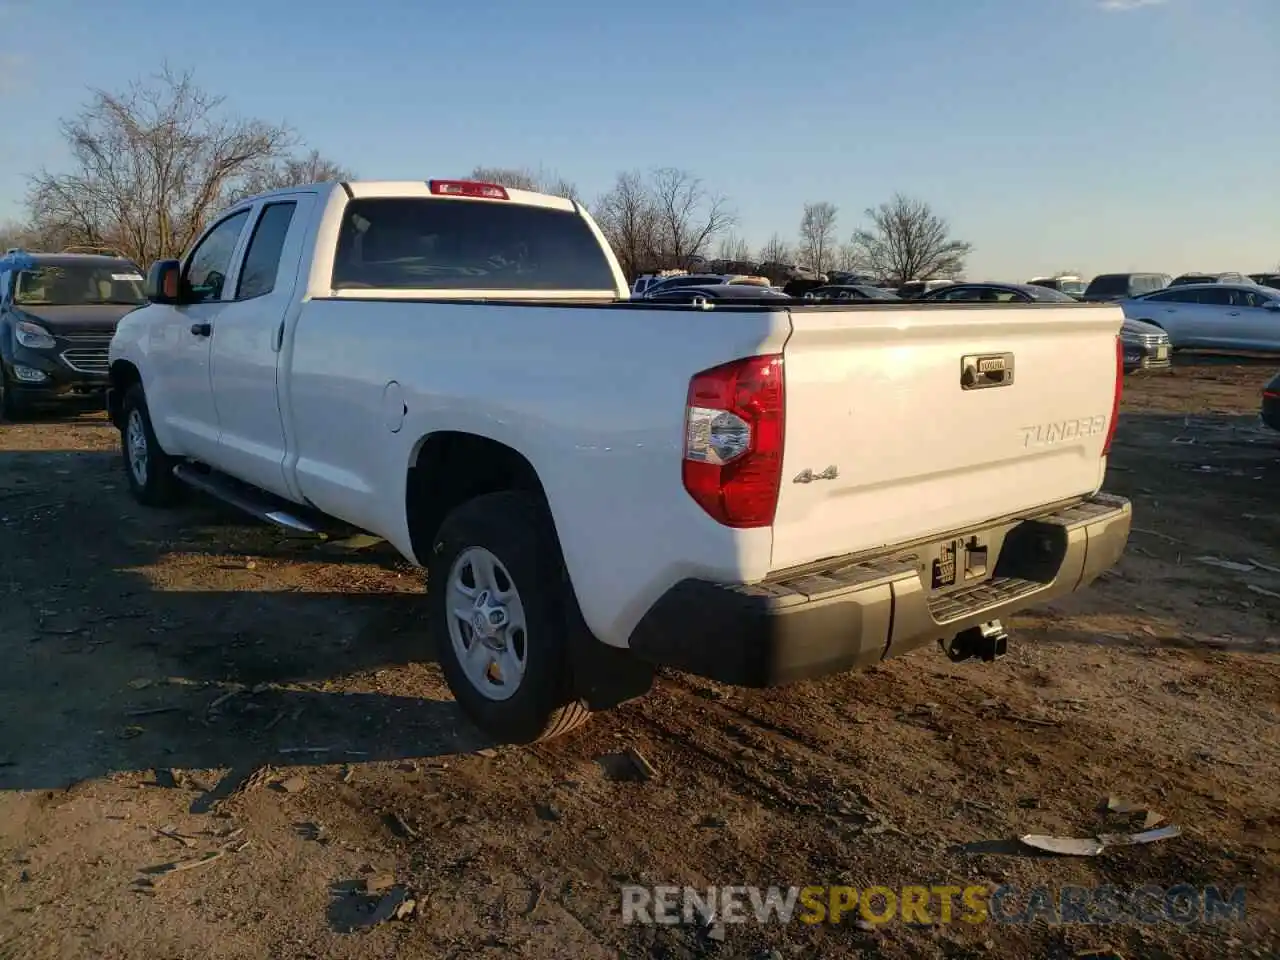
<point>496,608</point>
<point>148,468</point>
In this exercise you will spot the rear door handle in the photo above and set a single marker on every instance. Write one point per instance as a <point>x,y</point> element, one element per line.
<point>202,329</point>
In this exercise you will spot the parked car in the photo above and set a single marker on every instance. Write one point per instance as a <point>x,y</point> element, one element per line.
<point>1266,279</point>
<point>599,485</point>
<point>844,277</point>
<point>1220,316</point>
<point>703,279</point>
<point>1119,286</point>
<point>851,291</point>
<point>914,289</point>
<point>1189,278</point>
<point>716,291</point>
<point>986,292</point>
<point>57,314</point>
<point>1069,284</point>
<point>1145,347</point>
<point>683,280</point>
<point>1270,411</point>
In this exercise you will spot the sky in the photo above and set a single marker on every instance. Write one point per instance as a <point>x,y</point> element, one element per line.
<point>1094,135</point>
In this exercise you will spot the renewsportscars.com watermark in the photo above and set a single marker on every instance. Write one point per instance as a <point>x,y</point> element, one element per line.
<point>1181,905</point>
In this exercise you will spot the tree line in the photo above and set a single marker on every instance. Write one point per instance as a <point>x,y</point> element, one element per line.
<point>150,166</point>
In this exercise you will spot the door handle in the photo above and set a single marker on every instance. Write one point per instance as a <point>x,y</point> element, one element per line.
<point>279,339</point>
<point>1234,313</point>
<point>202,329</point>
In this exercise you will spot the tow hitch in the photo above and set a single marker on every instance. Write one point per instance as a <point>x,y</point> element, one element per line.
<point>987,641</point>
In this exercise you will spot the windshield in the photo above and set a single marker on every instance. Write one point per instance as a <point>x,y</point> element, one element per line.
<point>77,285</point>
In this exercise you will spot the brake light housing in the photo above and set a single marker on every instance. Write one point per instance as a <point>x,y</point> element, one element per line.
<point>1115,401</point>
<point>733,443</point>
<point>473,189</point>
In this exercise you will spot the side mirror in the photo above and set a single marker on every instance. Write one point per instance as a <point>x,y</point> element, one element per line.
<point>1272,305</point>
<point>164,282</point>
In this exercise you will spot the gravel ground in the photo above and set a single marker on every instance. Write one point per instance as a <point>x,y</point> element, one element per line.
<point>186,687</point>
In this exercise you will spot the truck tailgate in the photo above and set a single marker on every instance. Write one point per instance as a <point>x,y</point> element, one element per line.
<point>888,439</point>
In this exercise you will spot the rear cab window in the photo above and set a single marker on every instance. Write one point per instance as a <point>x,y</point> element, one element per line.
<point>421,243</point>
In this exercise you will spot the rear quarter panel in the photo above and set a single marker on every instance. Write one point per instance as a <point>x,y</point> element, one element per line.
<point>592,396</point>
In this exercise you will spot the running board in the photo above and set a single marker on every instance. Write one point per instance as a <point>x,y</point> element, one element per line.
<point>252,501</point>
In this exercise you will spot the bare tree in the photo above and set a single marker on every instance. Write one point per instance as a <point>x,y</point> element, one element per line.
<point>846,257</point>
<point>14,234</point>
<point>733,248</point>
<point>151,165</point>
<point>627,218</point>
<point>516,178</point>
<point>818,234</point>
<point>293,172</point>
<point>688,218</point>
<point>907,240</point>
<point>776,250</point>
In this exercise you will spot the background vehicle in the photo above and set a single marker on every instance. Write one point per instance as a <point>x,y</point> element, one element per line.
<point>1189,278</point>
<point>647,280</point>
<point>1145,347</point>
<point>914,289</point>
<point>741,292</point>
<point>1213,315</point>
<point>1270,411</point>
<point>57,315</point>
<point>685,280</point>
<point>1067,283</point>
<point>987,292</point>
<point>597,484</point>
<point>852,291</point>
<point>1117,286</point>
<point>1266,279</point>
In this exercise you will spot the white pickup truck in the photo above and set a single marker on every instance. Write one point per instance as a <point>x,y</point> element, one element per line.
<point>755,492</point>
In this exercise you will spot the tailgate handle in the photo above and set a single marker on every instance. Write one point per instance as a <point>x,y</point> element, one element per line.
<point>979,371</point>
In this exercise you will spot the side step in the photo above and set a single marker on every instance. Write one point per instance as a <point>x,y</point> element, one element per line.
<point>251,500</point>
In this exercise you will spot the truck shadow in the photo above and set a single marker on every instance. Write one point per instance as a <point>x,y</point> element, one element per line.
<point>132,642</point>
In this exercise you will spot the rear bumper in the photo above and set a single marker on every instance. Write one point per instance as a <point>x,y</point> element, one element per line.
<point>847,612</point>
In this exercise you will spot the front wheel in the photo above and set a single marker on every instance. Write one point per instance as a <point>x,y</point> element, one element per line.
<point>148,469</point>
<point>496,609</point>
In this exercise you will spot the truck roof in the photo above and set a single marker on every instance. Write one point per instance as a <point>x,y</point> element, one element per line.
<point>362,189</point>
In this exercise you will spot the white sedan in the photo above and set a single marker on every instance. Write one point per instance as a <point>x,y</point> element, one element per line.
<point>1224,316</point>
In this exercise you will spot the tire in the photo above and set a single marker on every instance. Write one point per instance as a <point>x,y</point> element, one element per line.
<point>11,409</point>
<point>532,697</point>
<point>151,480</point>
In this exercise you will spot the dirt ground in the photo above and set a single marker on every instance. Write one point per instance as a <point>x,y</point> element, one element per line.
<point>151,661</point>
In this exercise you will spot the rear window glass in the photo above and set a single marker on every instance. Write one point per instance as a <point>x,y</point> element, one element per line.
<point>417,243</point>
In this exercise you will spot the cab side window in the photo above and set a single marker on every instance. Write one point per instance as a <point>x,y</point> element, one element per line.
<point>207,269</point>
<point>262,259</point>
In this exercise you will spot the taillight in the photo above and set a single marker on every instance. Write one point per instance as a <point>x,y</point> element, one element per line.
<point>468,188</point>
<point>1115,403</point>
<point>733,440</point>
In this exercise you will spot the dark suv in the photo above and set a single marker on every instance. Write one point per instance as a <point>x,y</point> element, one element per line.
<point>58,312</point>
<point>1122,286</point>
